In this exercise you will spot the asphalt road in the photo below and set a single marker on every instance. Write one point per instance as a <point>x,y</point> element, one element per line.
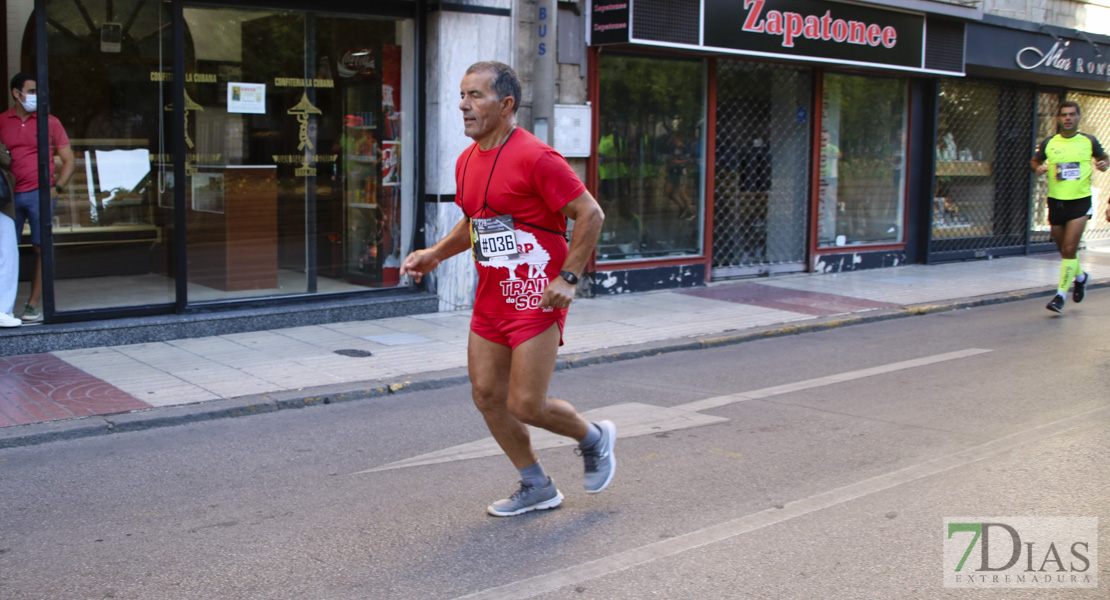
<point>820,465</point>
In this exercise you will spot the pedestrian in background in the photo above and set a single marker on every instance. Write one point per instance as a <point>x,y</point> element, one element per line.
<point>19,132</point>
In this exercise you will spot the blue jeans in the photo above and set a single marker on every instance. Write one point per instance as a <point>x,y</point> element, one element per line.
<point>27,209</point>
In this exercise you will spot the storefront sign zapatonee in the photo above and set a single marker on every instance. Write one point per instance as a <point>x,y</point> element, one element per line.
<point>814,30</point>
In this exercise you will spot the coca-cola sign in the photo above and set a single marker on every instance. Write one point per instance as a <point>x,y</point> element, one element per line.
<point>357,63</point>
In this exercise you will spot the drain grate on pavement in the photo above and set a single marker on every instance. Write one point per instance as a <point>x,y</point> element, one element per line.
<point>354,353</point>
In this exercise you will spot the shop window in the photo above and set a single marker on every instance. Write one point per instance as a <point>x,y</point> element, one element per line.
<point>1096,121</point>
<point>1095,111</point>
<point>982,166</point>
<point>651,161</point>
<point>111,245</point>
<point>1048,107</point>
<point>761,173</point>
<point>861,185</point>
<point>294,180</point>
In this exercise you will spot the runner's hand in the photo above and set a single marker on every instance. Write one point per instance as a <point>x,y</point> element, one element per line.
<point>1102,164</point>
<point>559,294</point>
<point>418,264</point>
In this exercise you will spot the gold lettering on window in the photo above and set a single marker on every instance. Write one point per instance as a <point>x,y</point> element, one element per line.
<point>202,158</point>
<point>306,159</point>
<point>189,105</point>
<point>189,77</point>
<point>299,82</point>
<point>303,110</point>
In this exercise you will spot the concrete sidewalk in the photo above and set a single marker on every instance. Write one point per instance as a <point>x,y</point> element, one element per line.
<point>95,391</point>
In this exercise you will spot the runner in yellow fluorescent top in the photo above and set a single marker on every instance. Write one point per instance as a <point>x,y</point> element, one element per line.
<point>1066,159</point>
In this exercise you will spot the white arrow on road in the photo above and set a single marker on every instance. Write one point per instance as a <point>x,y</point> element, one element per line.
<point>635,419</point>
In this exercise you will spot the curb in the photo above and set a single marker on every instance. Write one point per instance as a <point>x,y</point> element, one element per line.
<point>152,418</point>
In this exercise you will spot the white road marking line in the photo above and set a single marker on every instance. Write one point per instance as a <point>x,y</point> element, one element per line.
<point>635,419</point>
<point>709,403</point>
<point>549,582</point>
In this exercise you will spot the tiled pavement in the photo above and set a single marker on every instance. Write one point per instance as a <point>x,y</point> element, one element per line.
<point>306,365</point>
<point>40,387</point>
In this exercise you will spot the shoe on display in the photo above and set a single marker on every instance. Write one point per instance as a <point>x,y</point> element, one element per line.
<point>7,320</point>
<point>31,314</point>
<point>527,498</point>
<point>1079,289</point>
<point>1056,304</point>
<point>599,460</point>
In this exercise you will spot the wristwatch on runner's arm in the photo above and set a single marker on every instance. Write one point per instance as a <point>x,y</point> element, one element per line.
<point>569,277</point>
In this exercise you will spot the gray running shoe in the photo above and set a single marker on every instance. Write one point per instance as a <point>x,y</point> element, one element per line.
<point>600,461</point>
<point>31,314</point>
<point>527,498</point>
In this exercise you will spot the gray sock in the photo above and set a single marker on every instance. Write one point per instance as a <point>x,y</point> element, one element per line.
<point>592,438</point>
<point>533,475</point>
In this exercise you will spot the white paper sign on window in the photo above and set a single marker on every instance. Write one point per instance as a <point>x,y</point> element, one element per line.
<point>246,97</point>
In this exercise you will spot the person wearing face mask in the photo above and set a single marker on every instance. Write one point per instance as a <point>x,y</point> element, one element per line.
<point>19,132</point>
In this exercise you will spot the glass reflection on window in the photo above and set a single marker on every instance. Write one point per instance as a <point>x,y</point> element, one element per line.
<point>861,161</point>
<point>650,157</point>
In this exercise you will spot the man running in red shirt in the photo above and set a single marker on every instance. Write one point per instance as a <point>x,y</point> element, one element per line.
<point>516,193</point>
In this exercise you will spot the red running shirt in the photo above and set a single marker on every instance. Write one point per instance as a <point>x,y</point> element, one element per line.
<point>531,182</point>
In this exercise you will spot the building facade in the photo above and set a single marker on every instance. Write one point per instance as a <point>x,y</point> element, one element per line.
<point>226,154</point>
<point>242,156</point>
<point>824,136</point>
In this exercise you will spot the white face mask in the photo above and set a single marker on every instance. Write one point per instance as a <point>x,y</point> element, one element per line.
<point>31,104</point>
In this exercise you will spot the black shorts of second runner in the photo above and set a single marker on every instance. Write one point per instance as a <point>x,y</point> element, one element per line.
<point>1062,211</point>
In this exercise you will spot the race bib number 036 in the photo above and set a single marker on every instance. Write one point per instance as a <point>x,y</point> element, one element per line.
<point>493,238</point>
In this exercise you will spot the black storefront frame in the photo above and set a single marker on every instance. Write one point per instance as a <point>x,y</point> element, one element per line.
<point>1030,246</point>
<point>995,47</point>
<point>927,215</point>
<point>394,9</point>
<point>622,27</point>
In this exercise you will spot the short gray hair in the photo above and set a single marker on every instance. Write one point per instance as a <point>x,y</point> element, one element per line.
<point>505,83</point>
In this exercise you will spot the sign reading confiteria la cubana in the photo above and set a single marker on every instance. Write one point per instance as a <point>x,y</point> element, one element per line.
<point>800,29</point>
